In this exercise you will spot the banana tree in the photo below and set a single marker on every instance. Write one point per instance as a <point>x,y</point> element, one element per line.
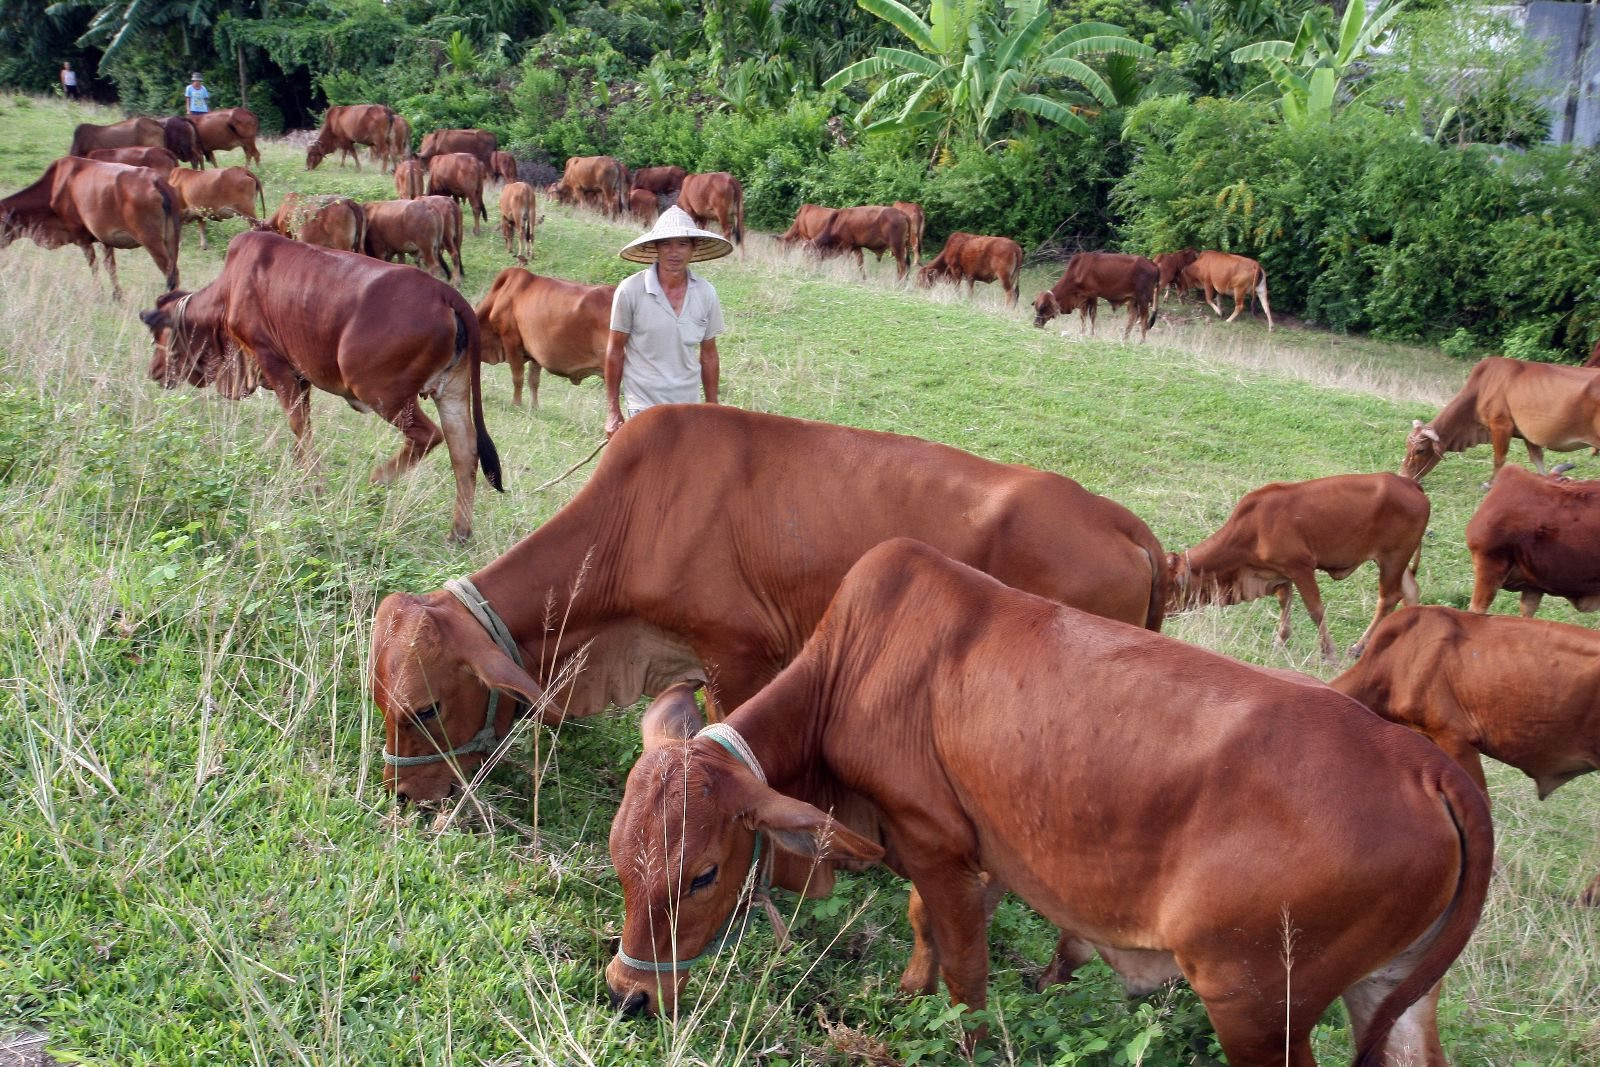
<point>972,71</point>
<point>1308,70</point>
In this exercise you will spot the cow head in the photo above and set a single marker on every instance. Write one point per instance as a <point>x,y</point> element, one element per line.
<point>315,154</point>
<point>1424,450</point>
<point>182,352</point>
<point>1045,307</point>
<point>928,275</point>
<point>432,669</point>
<point>683,844</point>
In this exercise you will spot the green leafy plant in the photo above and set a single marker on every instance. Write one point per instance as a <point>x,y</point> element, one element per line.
<point>1310,70</point>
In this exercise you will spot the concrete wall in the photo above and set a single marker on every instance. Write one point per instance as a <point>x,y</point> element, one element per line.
<point>1571,74</point>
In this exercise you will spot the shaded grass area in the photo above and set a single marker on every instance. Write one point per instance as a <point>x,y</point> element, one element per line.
<point>200,863</point>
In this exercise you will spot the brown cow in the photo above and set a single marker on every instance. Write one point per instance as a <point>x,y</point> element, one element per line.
<point>599,183</point>
<point>449,213</point>
<point>231,127</point>
<point>1536,536</point>
<point>971,258</point>
<point>160,160</point>
<point>346,126</point>
<point>226,193</point>
<point>1170,265</point>
<point>1522,691</point>
<point>335,222</point>
<point>644,206</point>
<point>918,222</point>
<point>962,732</point>
<point>751,529</point>
<point>460,176</point>
<point>405,227</point>
<point>852,230</point>
<point>719,196</point>
<point>474,142</point>
<point>83,202</point>
<point>291,316</point>
<point>138,132</point>
<point>560,326</point>
<point>518,212</point>
<point>1281,535</point>
<point>662,181</point>
<point>408,175</point>
<point>182,140</point>
<point>1546,405</point>
<point>808,222</point>
<point>503,167</point>
<point>1223,272</point>
<point>399,140</point>
<point>1090,277</point>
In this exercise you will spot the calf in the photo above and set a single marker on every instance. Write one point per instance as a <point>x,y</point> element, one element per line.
<point>662,181</point>
<point>917,222</point>
<point>459,176</point>
<point>231,127</point>
<point>599,183</point>
<point>517,219</point>
<point>397,228</point>
<point>1223,272</point>
<point>1090,277</point>
<point>408,175</point>
<point>502,167</point>
<point>875,229</point>
<point>1281,535</point>
<point>644,206</point>
<point>966,733</point>
<point>335,222</point>
<point>345,127</point>
<point>230,192</point>
<point>971,258</point>
<point>183,141</point>
<point>560,326</point>
<point>1522,691</point>
<point>717,195</point>
<point>1169,265</point>
<point>1536,536</point>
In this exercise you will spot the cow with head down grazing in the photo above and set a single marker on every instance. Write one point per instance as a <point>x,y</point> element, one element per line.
<point>346,127</point>
<point>968,257</point>
<point>331,221</point>
<point>1091,277</point>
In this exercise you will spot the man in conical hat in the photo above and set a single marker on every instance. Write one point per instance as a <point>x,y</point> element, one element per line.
<point>664,321</point>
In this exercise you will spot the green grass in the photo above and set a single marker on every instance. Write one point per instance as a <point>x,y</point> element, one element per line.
<point>200,864</point>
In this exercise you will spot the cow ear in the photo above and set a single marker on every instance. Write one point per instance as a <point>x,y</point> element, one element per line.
<point>671,717</point>
<point>496,671</point>
<point>799,828</point>
<point>156,318</point>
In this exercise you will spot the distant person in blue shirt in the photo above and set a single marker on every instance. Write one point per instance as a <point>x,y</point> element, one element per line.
<point>197,95</point>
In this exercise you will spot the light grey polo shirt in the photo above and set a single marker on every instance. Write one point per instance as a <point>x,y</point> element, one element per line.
<point>661,358</point>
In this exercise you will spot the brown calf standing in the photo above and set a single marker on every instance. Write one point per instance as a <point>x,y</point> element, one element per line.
<point>408,176</point>
<point>229,192</point>
<point>449,213</point>
<point>518,212</point>
<point>561,327</point>
<point>460,176</point>
<point>405,227</point>
<point>972,258</point>
<point>336,222</point>
<point>1223,272</point>
<point>1090,277</point>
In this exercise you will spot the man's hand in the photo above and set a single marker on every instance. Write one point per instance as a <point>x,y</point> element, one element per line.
<point>613,422</point>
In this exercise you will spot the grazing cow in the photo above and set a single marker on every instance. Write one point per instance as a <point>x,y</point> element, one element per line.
<point>397,228</point>
<point>662,181</point>
<point>460,176</point>
<point>808,222</point>
<point>83,202</point>
<point>561,326</point>
<point>719,196</point>
<point>750,529</point>
<point>474,142</point>
<point>917,223</point>
<point>335,222</point>
<point>1536,536</point>
<point>1281,535</point>
<point>1522,691</point>
<point>346,126</point>
<point>1170,265</point>
<point>1546,405</point>
<point>449,213</point>
<point>1094,276</point>
<point>129,133</point>
<point>970,258</point>
<point>503,167</point>
<point>644,206</point>
<point>1223,272</point>
<point>408,179</point>
<point>231,127</point>
<point>291,316</point>
<point>599,183</point>
<point>182,141</point>
<point>852,230</point>
<point>160,160</point>
<point>518,212</point>
<point>963,732</point>
<point>226,193</point>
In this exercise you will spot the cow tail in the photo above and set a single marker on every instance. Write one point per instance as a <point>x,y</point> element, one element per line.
<point>1261,293</point>
<point>469,342</point>
<point>171,229</point>
<point>261,194</point>
<point>1156,611</point>
<point>738,214</point>
<point>1468,810</point>
<point>361,227</point>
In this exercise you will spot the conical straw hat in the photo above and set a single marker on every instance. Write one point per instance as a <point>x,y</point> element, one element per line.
<point>675,222</point>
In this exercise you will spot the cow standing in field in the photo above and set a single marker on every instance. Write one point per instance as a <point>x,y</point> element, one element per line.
<point>1223,272</point>
<point>871,228</point>
<point>139,132</point>
<point>182,140</point>
<point>381,336</point>
<point>1090,277</point>
<point>459,176</point>
<point>1281,535</point>
<point>661,181</point>
<point>399,148</point>
<point>717,195</point>
<point>808,222</point>
<point>561,327</point>
<point>82,202</point>
<point>335,222</point>
<point>225,193</point>
<point>752,529</point>
<point>160,160</point>
<point>449,212</point>
<point>644,206</point>
<point>502,167</point>
<point>916,224</point>
<point>599,183</point>
<point>475,142</point>
<point>972,258</point>
<point>1546,405</point>
<point>968,734</point>
<point>231,127</point>
<point>1536,536</point>
<point>347,126</point>
<point>1169,265</point>
<point>1521,691</point>
<point>408,179</point>
<point>398,228</point>
<point>518,211</point>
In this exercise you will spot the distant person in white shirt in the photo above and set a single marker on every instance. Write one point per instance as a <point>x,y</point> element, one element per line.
<point>69,81</point>
<point>664,322</point>
<point>196,95</point>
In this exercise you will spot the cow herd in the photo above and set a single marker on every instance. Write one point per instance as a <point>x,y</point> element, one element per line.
<point>943,664</point>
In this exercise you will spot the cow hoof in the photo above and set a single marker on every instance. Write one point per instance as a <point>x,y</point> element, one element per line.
<point>458,537</point>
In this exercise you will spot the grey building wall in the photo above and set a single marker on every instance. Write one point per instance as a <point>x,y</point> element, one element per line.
<point>1571,74</point>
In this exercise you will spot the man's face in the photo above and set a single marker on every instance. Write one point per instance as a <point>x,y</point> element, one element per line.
<point>673,253</point>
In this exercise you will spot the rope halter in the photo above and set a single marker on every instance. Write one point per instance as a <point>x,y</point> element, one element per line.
<point>758,877</point>
<point>486,740</point>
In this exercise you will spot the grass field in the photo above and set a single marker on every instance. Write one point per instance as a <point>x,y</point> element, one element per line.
<point>199,862</point>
